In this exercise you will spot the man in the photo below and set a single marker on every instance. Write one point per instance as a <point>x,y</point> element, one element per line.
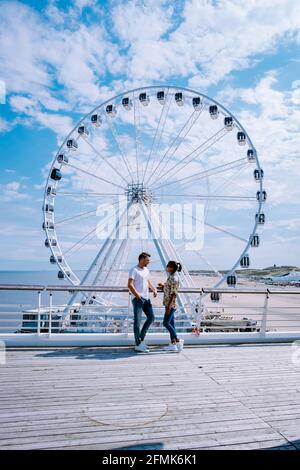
<point>139,285</point>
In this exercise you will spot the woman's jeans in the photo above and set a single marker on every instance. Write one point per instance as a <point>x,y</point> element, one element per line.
<point>169,323</point>
<point>139,306</point>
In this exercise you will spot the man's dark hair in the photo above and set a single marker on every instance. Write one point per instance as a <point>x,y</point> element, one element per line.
<point>143,255</point>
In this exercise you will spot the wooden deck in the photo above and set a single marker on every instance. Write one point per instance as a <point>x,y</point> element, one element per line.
<point>210,397</point>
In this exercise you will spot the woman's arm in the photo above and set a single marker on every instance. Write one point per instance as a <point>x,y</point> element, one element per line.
<point>168,307</point>
<point>174,284</point>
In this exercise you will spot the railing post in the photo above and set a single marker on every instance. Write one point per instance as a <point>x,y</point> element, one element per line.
<point>264,315</point>
<point>127,318</point>
<point>50,314</point>
<point>199,312</point>
<point>39,314</point>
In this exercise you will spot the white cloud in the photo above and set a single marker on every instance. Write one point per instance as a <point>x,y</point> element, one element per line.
<point>61,125</point>
<point>5,125</point>
<point>274,127</point>
<point>212,40</point>
<point>73,58</point>
<point>63,63</point>
<point>12,191</point>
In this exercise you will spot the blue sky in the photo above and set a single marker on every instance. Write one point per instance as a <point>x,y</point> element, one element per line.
<point>59,59</point>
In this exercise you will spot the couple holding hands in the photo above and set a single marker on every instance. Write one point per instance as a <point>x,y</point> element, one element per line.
<point>139,285</point>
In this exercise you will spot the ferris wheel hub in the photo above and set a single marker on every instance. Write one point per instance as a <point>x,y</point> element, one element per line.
<point>137,192</point>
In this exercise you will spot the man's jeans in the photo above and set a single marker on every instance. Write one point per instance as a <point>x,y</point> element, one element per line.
<point>139,306</point>
<point>169,323</point>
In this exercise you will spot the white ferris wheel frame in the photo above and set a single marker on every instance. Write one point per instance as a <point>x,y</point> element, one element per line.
<point>164,248</point>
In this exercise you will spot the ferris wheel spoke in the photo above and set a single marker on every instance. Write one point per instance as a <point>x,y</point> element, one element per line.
<point>208,263</point>
<point>136,137</point>
<point>138,134</point>
<point>215,227</point>
<point>165,169</point>
<point>74,217</point>
<point>116,139</point>
<point>205,173</point>
<point>231,180</point>
<point>88,194</point>
<point>107,162</point>
<point>188,125</point>
<point>78,243</point>
<point>227,232</point>
<point>214,197</point>
<point>93,231</point>
<point>218,172</point>
<point>158,131</point>
<point>83,242</point>
<point>157,157</point>
<point>201,149</point>
<point>82,214</point>
<point>94,176</point>
<point>181,248</point>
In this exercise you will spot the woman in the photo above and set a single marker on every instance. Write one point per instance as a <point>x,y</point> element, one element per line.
<point>170,289</point>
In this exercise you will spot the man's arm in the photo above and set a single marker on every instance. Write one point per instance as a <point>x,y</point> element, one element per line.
<point>131,287</point>
<point>152,288</point>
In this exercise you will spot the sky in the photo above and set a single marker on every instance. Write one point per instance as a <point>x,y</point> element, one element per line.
<point>60,59</point>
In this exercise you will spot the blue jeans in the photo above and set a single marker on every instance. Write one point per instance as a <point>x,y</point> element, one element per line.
<point>169,323</point>
<point>139,306</point>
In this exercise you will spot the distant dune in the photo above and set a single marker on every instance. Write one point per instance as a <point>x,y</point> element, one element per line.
<point>269,271</point>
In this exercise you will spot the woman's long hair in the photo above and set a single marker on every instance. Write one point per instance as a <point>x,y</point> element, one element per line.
<point>175,266</point>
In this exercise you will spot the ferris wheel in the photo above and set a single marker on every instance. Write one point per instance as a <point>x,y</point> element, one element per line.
<point>143,150</point>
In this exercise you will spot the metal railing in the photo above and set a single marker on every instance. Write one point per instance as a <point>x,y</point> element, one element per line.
<point>251,315</point>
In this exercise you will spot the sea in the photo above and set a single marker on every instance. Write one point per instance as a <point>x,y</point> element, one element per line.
<point>12,303</point>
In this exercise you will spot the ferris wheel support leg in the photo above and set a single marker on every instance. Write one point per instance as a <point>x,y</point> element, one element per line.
<point>115,263</point>
<point>109,250</point>
<point>96,259</point>
<point>115,259</point>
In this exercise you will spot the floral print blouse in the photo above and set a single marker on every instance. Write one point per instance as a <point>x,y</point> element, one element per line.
<point>171,287</point>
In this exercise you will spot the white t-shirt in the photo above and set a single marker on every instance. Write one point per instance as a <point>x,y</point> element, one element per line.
<point>141,277</point>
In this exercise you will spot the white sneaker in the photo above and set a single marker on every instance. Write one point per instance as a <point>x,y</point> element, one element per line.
<point>171,347</point>
<point>141,348</point>
<point>180,345</point>
<point>147,347</point>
